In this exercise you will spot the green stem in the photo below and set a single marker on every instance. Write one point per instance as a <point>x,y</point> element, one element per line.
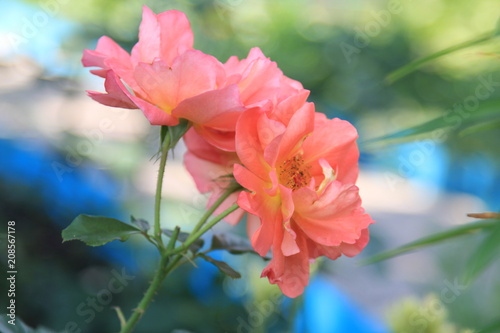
<point>233,188</point>
<point>160,275</point>
<point>194,236</point>
<point>159,184</point>
<point>173,238</point>
<point>405,70</point>
<point>166,267</point>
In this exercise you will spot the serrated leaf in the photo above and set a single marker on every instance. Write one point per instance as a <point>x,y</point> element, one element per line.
<point>140,223</point>
<point>183,236</point>
<point>98,230</point>
<point>414,65</point>
<point>431,240</point>
<point>222,266</point>
<point>232,243</point>
<point>484,255</point>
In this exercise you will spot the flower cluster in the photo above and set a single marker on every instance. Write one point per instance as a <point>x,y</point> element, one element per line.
<point>248,120</point>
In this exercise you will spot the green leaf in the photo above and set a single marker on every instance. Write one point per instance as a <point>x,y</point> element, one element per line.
<point>163,133</point>
<point>406,134</point>
<point>140,223</point>
<point>183,236</point>
<point>481,127</point>
<point>484,255</point>
<point>178,131</point>
<point>222,266</point>
<point>431,240</point>
<point>413,66</point>
<point>170,135</point>
<point>449,119</point>
<point>98,230</point>
<point>232,243</point>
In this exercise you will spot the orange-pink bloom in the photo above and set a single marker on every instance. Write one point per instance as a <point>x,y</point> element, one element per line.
<point>250,120</point>
<point>261,85</point>
<point>300,169</point>
<point>212,169</point>
<point>167,79</point>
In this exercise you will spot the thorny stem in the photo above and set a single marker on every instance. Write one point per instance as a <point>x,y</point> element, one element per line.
<point>171,256</point>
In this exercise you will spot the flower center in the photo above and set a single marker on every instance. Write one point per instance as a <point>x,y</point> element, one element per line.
<point>294,173</point>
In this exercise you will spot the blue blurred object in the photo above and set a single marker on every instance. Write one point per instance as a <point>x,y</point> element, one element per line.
<point>327,310</point>
<point>476,174</point>
<point>29,177</point>
<point>423,160</point>
<point>203,280</point>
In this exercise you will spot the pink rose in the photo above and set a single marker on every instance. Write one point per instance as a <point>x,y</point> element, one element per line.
<point>300,169</point>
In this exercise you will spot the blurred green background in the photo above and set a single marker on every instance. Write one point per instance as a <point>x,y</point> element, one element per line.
<point>57,164</point>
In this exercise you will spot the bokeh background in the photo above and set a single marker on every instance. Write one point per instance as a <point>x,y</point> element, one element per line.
<point>63,154</point>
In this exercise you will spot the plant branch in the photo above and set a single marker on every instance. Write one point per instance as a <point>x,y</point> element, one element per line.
<point>160,275</point>
<point>159,185</point>
<point>194,236</point>
<point>233,188</point>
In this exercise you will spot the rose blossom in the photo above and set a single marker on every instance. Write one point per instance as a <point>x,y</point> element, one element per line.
<point>167,79</point>
<point>262,86</point>
<point>300,169</point>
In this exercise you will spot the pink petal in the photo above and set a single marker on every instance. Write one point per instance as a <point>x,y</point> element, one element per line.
<point>285,110</point>
<point>117,94</point>
<point>300,125</point>
<point>109,55</point>
<point>191,74</point>
<point>206,175</point>
<point>289,246</point>
<point>106,49</point>
<point>219,109</point>
<point>267,208</point>
<point>198,146</point>
<point>176,34</point>
<point>164,36</point>
<point>291,273</point>
<point>248,146</point>
<point>335,141</point>
<point>249,180</point>
<point>214,115</point>
<point>333,218</point>
<point>351,250</point>
<point>211,177</point>
<point>261,81</point>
